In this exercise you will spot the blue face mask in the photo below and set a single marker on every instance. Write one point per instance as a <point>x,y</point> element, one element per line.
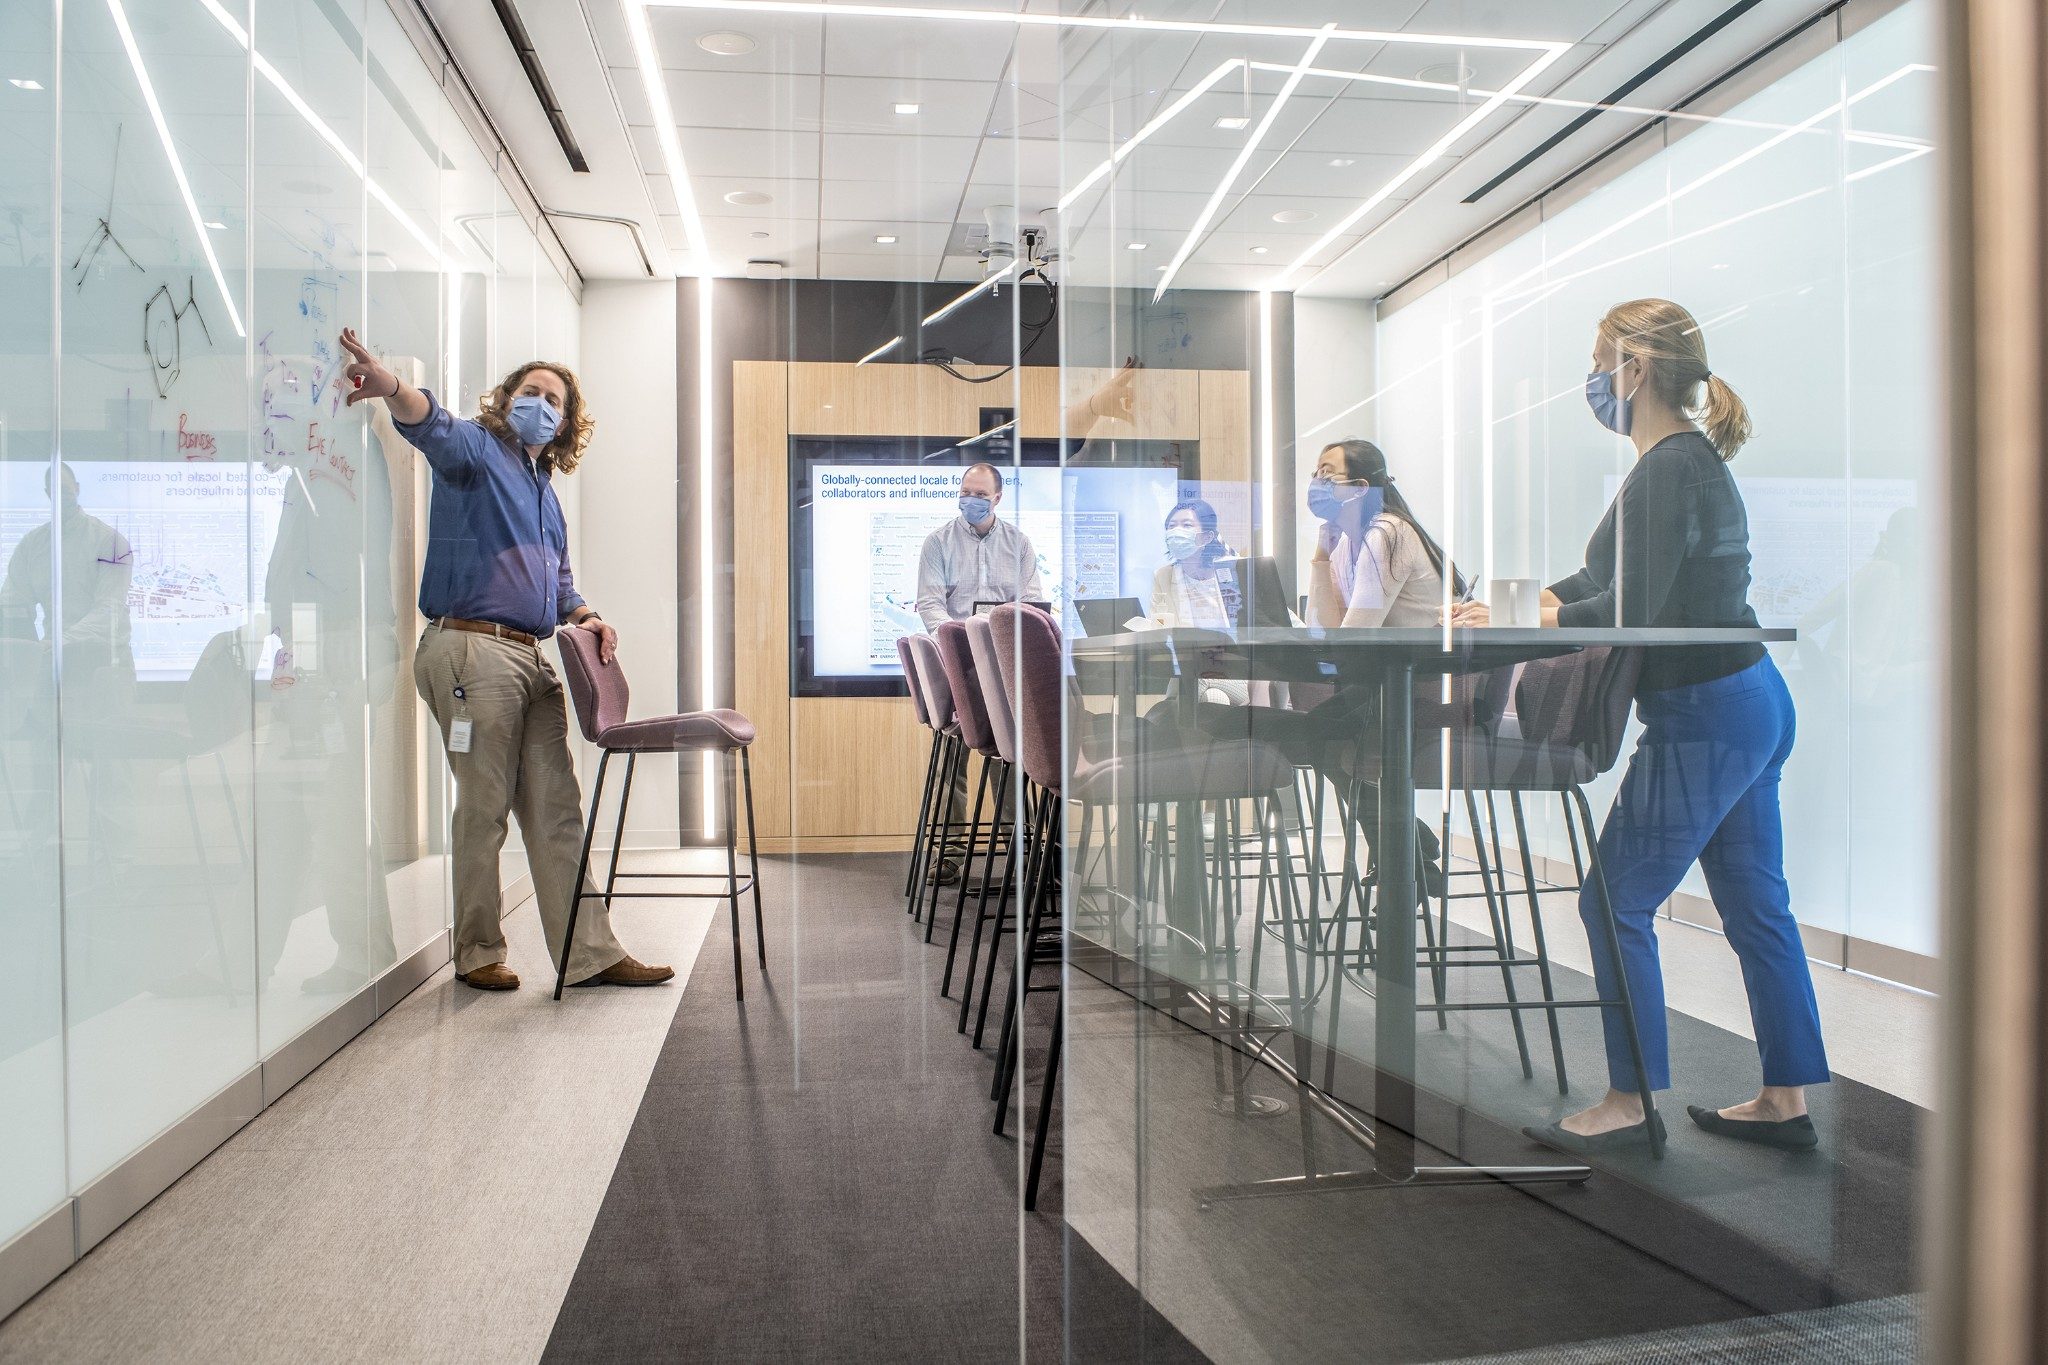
<point>533,419</point>
<point>1180,544</point>
<point>1610,409</point>
<point>1328,502</point>
<point>975,510</point>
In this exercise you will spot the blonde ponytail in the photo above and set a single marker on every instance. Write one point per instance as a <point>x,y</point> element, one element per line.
<point>1660,331</point>
<point>1723,416</point>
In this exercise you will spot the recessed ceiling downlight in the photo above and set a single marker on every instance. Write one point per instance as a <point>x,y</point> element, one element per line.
<point>1447,73</point>
<point>748,198</point>
<point>726,43</point>
<point>1294,215</point>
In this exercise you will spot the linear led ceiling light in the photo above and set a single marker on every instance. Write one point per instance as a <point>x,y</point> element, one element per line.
<point>986,285</point>
<point>163,132</point>
<point>1244,154</point>
<point>656,89</point>
<point>1022,20</point>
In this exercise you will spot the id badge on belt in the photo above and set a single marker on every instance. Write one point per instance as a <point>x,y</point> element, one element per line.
<point>459,729</point>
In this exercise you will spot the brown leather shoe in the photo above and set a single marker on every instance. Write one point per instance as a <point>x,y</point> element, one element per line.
<point>495,976</point>
<point>627,972</point>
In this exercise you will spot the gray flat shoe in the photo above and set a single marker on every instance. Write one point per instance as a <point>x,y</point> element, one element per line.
<point>1791,1135</point>
<point>1615,1140</point>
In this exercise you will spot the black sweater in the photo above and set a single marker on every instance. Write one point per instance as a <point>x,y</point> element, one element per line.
<point>1682,560</point>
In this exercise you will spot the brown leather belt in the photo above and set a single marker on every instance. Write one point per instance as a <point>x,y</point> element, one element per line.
<point>486,628</point>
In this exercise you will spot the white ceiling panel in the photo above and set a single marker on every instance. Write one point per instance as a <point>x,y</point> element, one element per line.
<point>738,151</point>
<point>783,43</point>
<point>786,198</point>
<point>914,241</point>
<point>1387,127</point>
<point>633,106</point>
<point>1255,214</point>
<point>792,242</point>
<point>1310,173</point>
<point>861,104</point>
<point>1024,161</point>
<point>873,156</point>
<point>740,99</point>
<point>890,201</point>
<point>846,266</point>
<point>921,49</point>
<point>1558,21</point>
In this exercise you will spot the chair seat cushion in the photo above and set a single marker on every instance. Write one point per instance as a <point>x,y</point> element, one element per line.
<point>1224,771</point>
<point>721,729</point>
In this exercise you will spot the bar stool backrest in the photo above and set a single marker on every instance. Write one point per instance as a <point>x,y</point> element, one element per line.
<point>938,697</point>
<point>910,679</point>
<point>598,689</point>
<point>995,698</point>
<point>1580,701</point>
<point>1028,651</point>
<point>956,657</point>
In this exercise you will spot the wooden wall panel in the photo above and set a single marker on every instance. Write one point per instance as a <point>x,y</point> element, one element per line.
<point>858,765</point>
<point>1227,445</point>
<point>1166,404</point>
<point>760,502</point>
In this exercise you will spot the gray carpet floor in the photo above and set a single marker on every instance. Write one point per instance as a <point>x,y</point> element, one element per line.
<point>812,1176</point>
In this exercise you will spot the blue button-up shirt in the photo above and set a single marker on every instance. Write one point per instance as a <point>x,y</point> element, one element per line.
<point>497,545</point>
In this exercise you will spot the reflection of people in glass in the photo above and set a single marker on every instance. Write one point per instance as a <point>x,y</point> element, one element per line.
<point>98,565</point>
<point>1673,550</point>
<point>976,556</point>
<point>1865,634</point>
<point>328,589</point>
<point>496,583</point>
<point>94,566</point>
<point>1373,564</point>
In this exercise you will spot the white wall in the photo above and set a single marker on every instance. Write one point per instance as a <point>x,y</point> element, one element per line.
<point>1335,359</point>
<point>624,531</point>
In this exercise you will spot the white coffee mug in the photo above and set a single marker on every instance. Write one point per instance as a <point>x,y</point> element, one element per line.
<point>1514,602</point>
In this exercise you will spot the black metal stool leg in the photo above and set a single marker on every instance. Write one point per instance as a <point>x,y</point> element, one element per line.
<point>988,863</point>
<point>754,859</point>
<point>1542,942</point>
<point>1045,1094</point>
<point>611,876</point>
<point>732,872</point>
<point>924,804</point>
<point>582,870</point>
<point>931,922</point>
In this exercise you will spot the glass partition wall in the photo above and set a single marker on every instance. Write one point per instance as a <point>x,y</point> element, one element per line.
<point>224,816</point>
<point>1305,1123</point>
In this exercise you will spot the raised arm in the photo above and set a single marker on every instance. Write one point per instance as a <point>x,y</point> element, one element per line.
<point>451,446</point>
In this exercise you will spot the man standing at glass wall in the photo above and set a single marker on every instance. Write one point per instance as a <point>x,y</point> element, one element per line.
<point>496,583</point>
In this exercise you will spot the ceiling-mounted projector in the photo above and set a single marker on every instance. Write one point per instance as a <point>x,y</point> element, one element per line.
<point>1013,244</point>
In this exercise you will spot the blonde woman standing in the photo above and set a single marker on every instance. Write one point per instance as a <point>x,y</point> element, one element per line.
<point>1702,785</point>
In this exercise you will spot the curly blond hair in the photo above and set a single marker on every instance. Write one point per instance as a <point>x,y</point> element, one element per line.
<point>566,450</point>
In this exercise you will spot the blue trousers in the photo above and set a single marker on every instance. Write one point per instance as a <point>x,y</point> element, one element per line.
<point>1702,786</point>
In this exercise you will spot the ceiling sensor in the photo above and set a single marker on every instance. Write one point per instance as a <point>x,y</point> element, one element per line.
<point>748,198</point>
<point>764,270</point>
<point>726,44</point>
<point>1447,73</point>
<point>1294,215</point>
<point>758,236</point>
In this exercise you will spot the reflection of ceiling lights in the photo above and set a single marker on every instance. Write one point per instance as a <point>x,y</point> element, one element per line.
<point>23,83</point>
<point>216,225</point>
<point>655,88</point>
<point>1260,250</point>
<point>726,44</point>
<point>1233,121</point>
<point>885,239</point>
<point>1343,161</point>
<point>1134,246</point>
<point>163,132</point>
<point>1294,215</point>
<point>1244,154</point>
<point>908,108</point>
<point>747,198</point>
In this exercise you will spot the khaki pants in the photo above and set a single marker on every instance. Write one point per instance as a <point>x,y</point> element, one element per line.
<point>518,763</point>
